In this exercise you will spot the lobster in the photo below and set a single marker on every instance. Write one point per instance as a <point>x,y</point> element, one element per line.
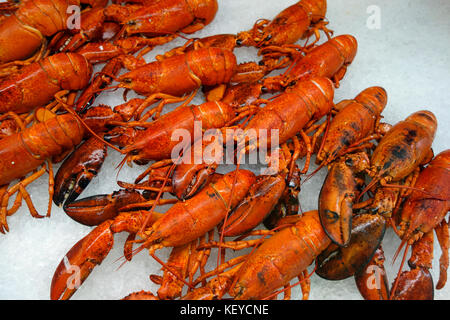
<point>23,32</point>
<point>254,276</point>
<point>156,142</point>
<point>289,26</point>
<point>207,66</point>
<point>29,149</point>
<point>398,155</point>
<point>36,84</point>
<point>356,123</point>
<point>163,17</point>
<point>420,214</point>
<point>329,59</point>
<point>172,229</point>
<point>93,249</point>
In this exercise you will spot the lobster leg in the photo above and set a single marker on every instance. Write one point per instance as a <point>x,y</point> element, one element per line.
<point>305,284</point>
<point>19,187</point>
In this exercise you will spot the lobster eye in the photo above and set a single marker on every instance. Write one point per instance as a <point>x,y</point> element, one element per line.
<point>349,162</point>
<point>238,42</point>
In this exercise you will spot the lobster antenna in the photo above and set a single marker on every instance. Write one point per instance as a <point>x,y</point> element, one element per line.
<point>309,176</point>
<point>120,165</point>
<point>325,162</point>
<point>71,111</point>
<point>368,187</point>
<point>229,204</point>
<point>394,287</point>
<point>160,192</point>
<point>430,195</point>
<point>228,211</point>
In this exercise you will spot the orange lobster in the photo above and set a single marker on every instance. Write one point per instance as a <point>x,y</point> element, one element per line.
<point>329,59</point>
<point>420,215</point>
<point>172,229</point>
<point>36,84</point>
<point>29,149</point>
<point>255,276</point>
<point>23,32</point>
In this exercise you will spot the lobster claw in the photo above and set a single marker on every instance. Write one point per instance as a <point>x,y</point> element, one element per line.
<point>187,179</point>
<point>262,198</point>
<point>288,204</point>
<point>415,284</point>
<point>92,211</point>
<point>78,263</point>
<point>337,196</point>
<point>90,251</point>
<point>372,281</point>
<point>78,170</point>
<point>337,263</point>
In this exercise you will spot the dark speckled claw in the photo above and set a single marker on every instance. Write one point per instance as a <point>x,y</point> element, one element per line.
<point>337,263</point>
<point>92,211</point>
<point>78,170</point>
